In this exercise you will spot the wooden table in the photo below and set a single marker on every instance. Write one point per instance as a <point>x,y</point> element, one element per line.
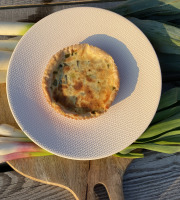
<point>157,176</point>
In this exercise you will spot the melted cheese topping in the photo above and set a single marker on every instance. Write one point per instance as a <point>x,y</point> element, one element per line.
<point>84,81</point>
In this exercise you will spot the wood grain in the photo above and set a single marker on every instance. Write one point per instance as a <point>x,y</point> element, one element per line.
<point>79,177</point>
<point>35,14</point>
<point>17,187</point>
<point>155,177</point>
<point>51,3</point>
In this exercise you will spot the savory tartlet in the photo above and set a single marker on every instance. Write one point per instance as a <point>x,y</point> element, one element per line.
<point>81,81</point>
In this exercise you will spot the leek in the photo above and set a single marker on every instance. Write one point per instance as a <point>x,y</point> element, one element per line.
<point>160,10</point>
<point>169,63</point>
<point>159,137</point>
<point>174,139</point>
<point>164,114</point>
<point>18,155</point>
<point>8,45</point>
<point>162,127</point>
<point>169,98</point>
<point>14,139</point>
<point>9,147</point>
<point>164,38</point>
<point>4,59</point>
<point>169,149</point>
<point>14,28</point>
<point>130,155</point>
<point>15,38</point>
<point>8,130</point>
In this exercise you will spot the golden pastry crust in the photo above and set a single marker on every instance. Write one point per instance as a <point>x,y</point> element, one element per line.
<point>81,81</point>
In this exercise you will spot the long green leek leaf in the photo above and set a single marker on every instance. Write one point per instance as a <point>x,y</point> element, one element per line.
<point>153,147</point>
<point>161,127</point>
<point>159,137</point>
<point>162,10</point>
<point>169,62</point>
<point>174,139</point>
<point>164,38</point>
<point>169,98</point>
<point>129,155</point>
<point>164,114</point>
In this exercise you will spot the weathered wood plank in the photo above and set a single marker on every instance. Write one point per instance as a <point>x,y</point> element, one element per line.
<point>156,177</point>
<point>50,3</point>
<point>35,14</point>
<point>15,186</point>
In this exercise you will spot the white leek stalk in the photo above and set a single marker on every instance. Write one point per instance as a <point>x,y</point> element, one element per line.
<point>7,130</point>
<point>14,28</point>
<point>8,45</point>
<point>13,139</point>
<point>15,38</point>
<point>11,147</point>
<point>4,59</point>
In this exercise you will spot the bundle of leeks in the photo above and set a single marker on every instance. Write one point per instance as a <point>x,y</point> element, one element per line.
<point>160,22</point>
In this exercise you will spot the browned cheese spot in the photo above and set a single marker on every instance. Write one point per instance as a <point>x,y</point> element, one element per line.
<point>78,85</point>
<point>107,96</point>
<point>88,78</point>
<point>89,93</point>
<point>64,87</point>
<point>66,69</point>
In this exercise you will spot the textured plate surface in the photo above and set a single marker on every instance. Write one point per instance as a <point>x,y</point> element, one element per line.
<point>133,108</point>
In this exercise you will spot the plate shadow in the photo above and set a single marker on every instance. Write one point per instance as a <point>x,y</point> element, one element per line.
<point>127,65</point>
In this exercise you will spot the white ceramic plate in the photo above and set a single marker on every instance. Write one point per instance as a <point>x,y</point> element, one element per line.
<point>133,108</point>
